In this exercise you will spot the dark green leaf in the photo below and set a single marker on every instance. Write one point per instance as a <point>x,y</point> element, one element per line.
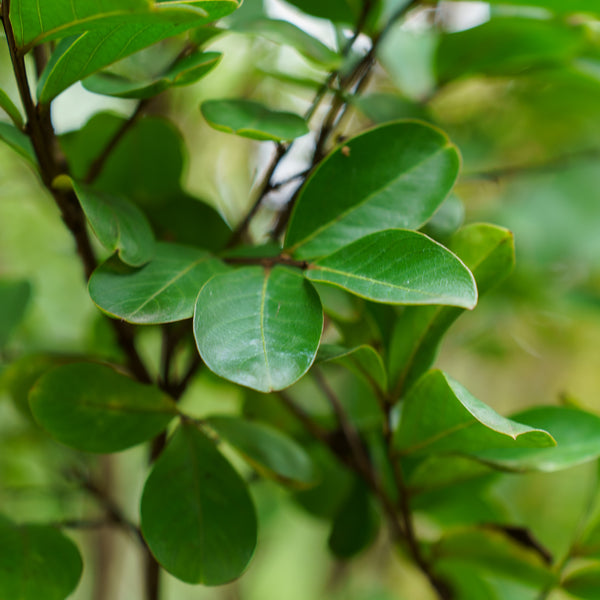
<point>557,6</point>
<point>341,11</point>
<point>488,251</point>
<point>11,110</point>
<point>91,407</point>
<point>18,141</point>
<point>37,562</point>
<point>397,266</point>
<point>583,583</point>
<point>259,328</point>
<point>270,452</point>
<point>440,416</point>
<point>14,298</point>
<point>118,224</point>
<point>393,176</point>
<point>184,72</point>
<point>162,291</point>
<point>253,120</point>
<point>197,516</point>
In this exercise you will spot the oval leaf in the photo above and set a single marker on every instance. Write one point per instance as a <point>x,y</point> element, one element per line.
<point>197,516</point>
<point>440,416</point>
<point>393,176</point>
<point>118,224</point>
<point>270,452</point>
<point>36,562</point>
<point>398,267</point>
<point>253,120</point>
<point>259,328</point>
<point>162,291</point>
<point>583,583</point>
<point>91,407</point>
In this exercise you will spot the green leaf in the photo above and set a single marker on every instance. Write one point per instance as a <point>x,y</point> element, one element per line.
<point>184,72</point>
<point>91,407</point>
<point>397,266</point>
<point>118,224</point>
<point>556,6</point>
<point>19,142</point>
<point>393,176</point>
<point>259,328</point>
<point>384,107</point>
<point>162,291</point>
<point>488,251</point>
<point>440,416</point>
<point>577,436</point>
<point>283,32</point>
<point>253,120</point>
<point>507,46</point>
<point>197,516</point>
<point>270,452</point>
<point>14,298</point>
<point>340,11</point>
<point>583,583</point>
<point>364,360</point>
<point>11,110</point>
<point>37,562</point>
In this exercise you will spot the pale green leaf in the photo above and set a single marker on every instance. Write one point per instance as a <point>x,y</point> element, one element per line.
<point>10,109</point>
<point>19,142</point>
<point>259,328</point>
<point>94,408</point>
<point>197,515</point>
<point>14,298</point>
<point>393,176</point>
<point>397,266</point>
<point>253,120</point>
<point>162,291</point>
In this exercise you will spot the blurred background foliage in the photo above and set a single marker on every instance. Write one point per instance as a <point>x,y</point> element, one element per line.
<point>523,105</point>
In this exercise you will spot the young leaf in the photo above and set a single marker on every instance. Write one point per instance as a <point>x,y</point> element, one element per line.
<point>14,298</point>
<point>162,291</point>
<point>577,436</point>
<point>253,120</point>
<point>488,251</point>
<point>184,72</point>
<point>10,109</point>
<point>118,224</point>
<point>270,452</point>
<point>393,176</point>
<point>583,583</point>
<point>259,328</point>
<point>397,266</point>
<point>197,515</point>
<point>19,142</point>
<point>440,416</point>
<point>91,407</point>
<point>36,562</point>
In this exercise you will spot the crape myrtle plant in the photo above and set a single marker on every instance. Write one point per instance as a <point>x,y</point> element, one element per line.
<point>325,302</point>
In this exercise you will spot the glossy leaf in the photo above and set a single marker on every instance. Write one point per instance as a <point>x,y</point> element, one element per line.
<point>259,328</point>
<point>397,266</point>
<point>508,46</point>
<point>577,436</point>
<point>253,120</point>
<point>283,32</point>
<point>14,298</point>
<point>197,515</point>
<point>270,452</point>
<point>10,109</point>
<point>94,408</point>
<point>488,251</point>
<point>583,583</point>
<point>162,291</point>
<point>393,176</point>
<point>18,141</point>
<point>118,224</point>
<point>440,416</point>
<point>184,72</point>
<point>37,561</point>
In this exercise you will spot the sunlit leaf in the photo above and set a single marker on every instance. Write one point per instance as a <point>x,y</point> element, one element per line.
<point>197,515</point>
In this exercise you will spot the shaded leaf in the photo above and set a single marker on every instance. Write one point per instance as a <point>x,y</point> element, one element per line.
<point>253,120</point>
<point>556,6</point>
<point>14,299</point>
<point>270,452</point>
<point>259,328</point>
<point>36,562</point>
<point>397,266</point>
<point>162,291</point>
<point>440,416</point>
<point>118,224</point>
<point>197,515</point>
<point>340,11</point>
<point>583,583</point>
<point>10,109</point>
<point>91,407</point>
<point>18,141</point>
<point>186,71</point>
<point>393,176</point>
<point>384,107</point>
